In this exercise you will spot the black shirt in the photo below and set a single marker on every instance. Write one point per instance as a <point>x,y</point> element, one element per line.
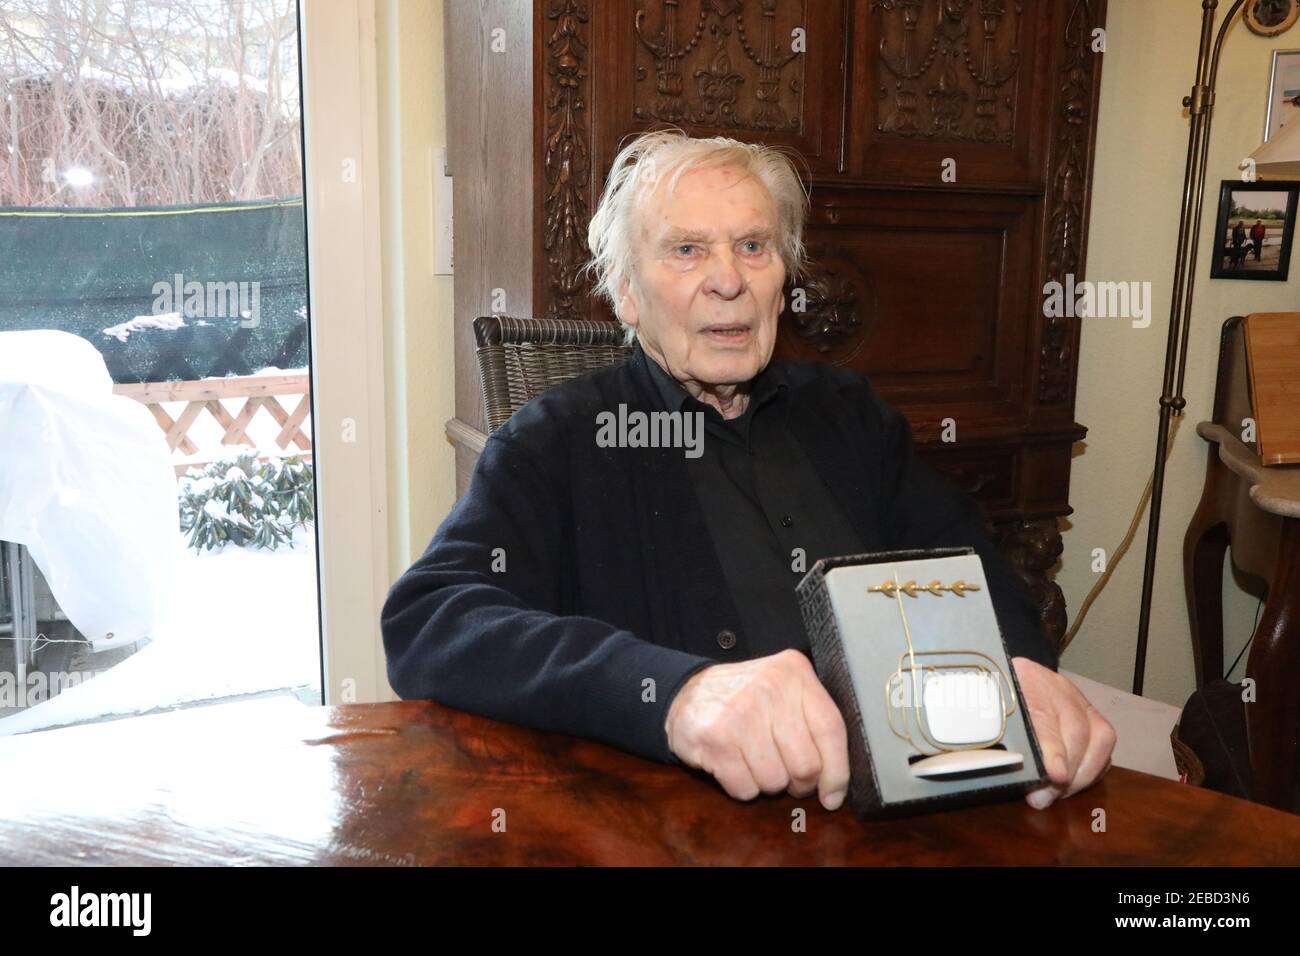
<point>769,514</point>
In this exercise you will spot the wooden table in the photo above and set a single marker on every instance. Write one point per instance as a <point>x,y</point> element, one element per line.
<point>1255,511</point>
<point>273,781</point>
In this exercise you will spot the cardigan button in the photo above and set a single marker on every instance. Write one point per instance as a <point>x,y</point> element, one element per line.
<point>726,639</point>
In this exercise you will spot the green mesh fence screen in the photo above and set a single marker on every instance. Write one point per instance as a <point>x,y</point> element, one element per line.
<point>87,270</point>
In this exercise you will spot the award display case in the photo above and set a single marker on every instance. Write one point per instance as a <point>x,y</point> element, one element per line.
<point>908,645</point>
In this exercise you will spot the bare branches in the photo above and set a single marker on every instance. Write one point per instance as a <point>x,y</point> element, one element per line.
<point>124,103</point>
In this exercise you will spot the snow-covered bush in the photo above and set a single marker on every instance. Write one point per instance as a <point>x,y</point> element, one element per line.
<point>245,502</point>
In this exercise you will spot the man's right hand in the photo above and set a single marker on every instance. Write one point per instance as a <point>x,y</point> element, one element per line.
<point>762,726</point>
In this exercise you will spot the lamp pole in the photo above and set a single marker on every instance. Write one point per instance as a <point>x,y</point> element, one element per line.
<point>1200,103</point>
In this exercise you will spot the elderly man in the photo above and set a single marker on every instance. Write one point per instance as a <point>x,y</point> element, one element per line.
<point>596,583</point>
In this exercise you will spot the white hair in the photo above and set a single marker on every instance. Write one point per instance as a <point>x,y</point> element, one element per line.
<point>638,168</point>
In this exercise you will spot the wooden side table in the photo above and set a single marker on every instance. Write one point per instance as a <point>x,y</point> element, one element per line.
<point>1256,511</point>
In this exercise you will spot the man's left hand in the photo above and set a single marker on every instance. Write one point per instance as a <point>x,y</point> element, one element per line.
<point>1075,738</point>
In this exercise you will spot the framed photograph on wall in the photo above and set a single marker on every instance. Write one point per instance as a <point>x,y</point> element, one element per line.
<point>1283,91</point>
<point>1252,238</point>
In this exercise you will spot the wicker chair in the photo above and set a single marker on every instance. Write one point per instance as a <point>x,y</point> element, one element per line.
<point>519,359</point>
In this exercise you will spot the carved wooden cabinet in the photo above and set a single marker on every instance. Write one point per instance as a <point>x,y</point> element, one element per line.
<point>948,148</point>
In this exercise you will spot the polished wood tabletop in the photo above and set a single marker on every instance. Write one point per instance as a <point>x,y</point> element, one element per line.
<point>271,781</point>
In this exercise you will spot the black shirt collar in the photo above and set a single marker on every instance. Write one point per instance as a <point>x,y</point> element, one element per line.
<point>765,385</point>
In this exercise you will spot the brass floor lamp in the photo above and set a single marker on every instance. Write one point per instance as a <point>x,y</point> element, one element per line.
<point>1200,103</point>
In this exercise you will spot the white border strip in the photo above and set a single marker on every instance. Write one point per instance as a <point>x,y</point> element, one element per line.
<point>341,131</point>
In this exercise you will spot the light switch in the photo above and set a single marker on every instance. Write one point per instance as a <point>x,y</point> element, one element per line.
<point>443,264</point>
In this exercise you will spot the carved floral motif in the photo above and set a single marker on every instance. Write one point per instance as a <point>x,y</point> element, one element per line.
<point>948,68</point>
<point>737,56</point>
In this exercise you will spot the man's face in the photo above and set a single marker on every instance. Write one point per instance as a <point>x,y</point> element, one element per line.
<point>706,288</point>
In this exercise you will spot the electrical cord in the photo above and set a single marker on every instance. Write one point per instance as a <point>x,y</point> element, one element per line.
<point>1123,545</point>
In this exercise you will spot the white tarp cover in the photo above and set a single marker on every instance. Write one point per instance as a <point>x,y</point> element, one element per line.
<point>87,484</point>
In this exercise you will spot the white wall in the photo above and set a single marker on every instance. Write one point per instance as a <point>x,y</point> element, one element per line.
<point>1137,189</point>
<point>418,304</point>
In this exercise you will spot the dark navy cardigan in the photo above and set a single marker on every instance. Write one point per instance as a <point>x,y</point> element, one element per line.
<point>573,588</point>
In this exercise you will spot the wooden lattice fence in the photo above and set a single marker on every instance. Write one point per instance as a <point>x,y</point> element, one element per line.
<point>261,394</point>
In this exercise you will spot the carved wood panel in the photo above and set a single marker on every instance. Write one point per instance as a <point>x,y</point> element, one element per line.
<point>563,157</point>
<point>1069,186</point>
<point>720,63</point>
<point>928,298</point>
<point>959,80</point>
<point>946,76</point>
<point>757,70</point>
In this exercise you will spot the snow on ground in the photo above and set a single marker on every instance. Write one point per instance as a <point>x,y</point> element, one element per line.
<point>167,321</point>
<point>272,370</point>
<point>244,621</point>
